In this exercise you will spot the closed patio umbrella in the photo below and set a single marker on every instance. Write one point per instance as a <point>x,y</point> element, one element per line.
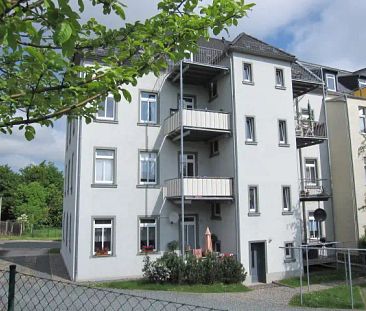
<point>208,241</point>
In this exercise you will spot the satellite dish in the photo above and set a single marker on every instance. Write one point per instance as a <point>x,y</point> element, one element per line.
<point>320,215</point>
<point>173,217</point>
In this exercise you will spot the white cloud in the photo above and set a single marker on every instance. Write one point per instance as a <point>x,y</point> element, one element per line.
<point>49,145</point>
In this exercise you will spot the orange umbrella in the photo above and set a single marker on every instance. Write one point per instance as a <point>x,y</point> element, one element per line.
<point>208,241</point>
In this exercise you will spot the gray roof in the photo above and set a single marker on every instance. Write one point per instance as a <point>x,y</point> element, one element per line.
<point>301,73</point>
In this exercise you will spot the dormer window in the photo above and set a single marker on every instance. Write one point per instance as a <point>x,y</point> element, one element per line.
<point>330,79</point>
<point>362,83</point>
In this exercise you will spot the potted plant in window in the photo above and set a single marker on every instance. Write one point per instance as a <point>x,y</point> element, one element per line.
<point>148,248</point>
<point>102,251</point>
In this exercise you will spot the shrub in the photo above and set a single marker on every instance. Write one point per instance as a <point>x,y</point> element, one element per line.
<point>232,271</point>
<point>173,246</point>
<point>155,271</point>
<point>175,265</point>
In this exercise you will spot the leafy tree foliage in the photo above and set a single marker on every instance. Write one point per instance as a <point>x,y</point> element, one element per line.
<point>15,188</point>
<point>43,41</point>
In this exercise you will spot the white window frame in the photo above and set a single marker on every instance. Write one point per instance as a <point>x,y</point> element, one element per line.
<point>331,76</point>
<point>104,105</point>
<point>186,163</point>
<point>286,198</point>
<point>103,226</point>
<point>255,209</point>
<point>248,79</point>
<point>362,83</point>
<point>150,157</point>
<point>145,97</point>
<point>250,132</point>
<point>282,131</point>
<point>104,157</point>
<point>279,79</point>
<point>362,118</point>
<point>148,225</point>
<point>289,252</point>
<point>311,164</point>
<point>317,224</point>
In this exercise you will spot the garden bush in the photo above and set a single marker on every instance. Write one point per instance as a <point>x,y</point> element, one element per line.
<point>211,269</point>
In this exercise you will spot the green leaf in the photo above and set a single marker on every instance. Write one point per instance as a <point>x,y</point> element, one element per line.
<point>127,95</point>
<point>29,132</point>
<point>63,32</point>
<point>81,5</point>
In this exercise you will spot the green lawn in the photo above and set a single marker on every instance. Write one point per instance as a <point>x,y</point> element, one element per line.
<point>37,234</point>
<point>198,288</point>
<point>337,297</point>
<point>315,278</point>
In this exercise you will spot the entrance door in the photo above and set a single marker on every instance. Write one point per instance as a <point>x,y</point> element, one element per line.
<point>258,262</point>
<point>188,102</point>
<point>189,165</point>
<point>190,238</point>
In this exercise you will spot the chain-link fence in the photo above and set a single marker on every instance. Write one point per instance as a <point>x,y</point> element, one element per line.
<point>19,291</point>
<point>330,269</point>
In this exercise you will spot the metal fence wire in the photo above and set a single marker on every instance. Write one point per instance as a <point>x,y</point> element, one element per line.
<point>35,293</point>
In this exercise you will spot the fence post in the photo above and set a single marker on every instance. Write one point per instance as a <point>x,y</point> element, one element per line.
<point>350,277</point>
<point>11,293</point>
<point>301,270</point>
<point>307,267</point>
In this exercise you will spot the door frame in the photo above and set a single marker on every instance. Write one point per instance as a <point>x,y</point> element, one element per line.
<point>195,162</point>
<point>188,95</point>
<point>197,231</point>
<point>265,256</point>
<point>316,170</point>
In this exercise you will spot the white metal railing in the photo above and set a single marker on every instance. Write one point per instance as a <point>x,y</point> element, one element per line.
<point>200,187</point>
<point>313,187</point>
<point>203,119</point>
<point>309,128</point>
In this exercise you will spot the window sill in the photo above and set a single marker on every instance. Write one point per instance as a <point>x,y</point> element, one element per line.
<point>148,186</point>
<point>287,213</point>
<point>284,145</point>
<point>102,256</point>
<point>103,185</point>
<point>254,143</point>
<point>288,260</point>
<point>148,124</point>
<point>280,87</point>
<point>248,82</point>
<point>148,253</point>
<point>105,121</point>
<point>254,214</point>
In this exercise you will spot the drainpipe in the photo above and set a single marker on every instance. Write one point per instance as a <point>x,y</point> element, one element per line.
<point>181,154</point>
<point>235,181</point>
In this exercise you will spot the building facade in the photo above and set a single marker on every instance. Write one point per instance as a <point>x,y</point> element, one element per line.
<point>255,165</point>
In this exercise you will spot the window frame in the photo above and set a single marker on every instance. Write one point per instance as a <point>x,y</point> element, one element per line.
<point>103,226</point>
<point>114,168</point>
<point>211,87</point>
<point>148,225</point>
<point>282,142</point>
<point>250,66</point>
<point>286,209</point>
<point>214,213</point>
<point>307,166</point>
<point>149,102</point>
<point>361,83</point>
<point>214,151</point>
<point>256,198</point>
<point>331,76</point>
<point>291,255</point>
<point>363,118</point>
<point>105,118</point>
<point>317,224</point>
<point>252,140</point>
<point>280,85</point>
<point>148,183</point>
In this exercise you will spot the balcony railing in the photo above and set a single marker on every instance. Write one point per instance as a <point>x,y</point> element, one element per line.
<point>314,190</point>
<point>306,128</point>
<point>200,187</point>
<point>198,119</point>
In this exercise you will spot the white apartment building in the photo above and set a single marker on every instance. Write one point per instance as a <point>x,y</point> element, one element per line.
<point>256,165</point>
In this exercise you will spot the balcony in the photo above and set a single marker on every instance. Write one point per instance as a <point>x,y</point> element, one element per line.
<point>314,190</point>
<point>200,188</point>
<point>198,124</point>
<point>201,68</point>
<point>309,132</point>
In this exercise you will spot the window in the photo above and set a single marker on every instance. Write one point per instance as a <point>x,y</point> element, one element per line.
<point>189,165</point>
<point>249,129</point>
<point>102,237</point>
<point>148,234</point>
<point>331,82</point>
<point>148,108</point>
<point>65,181</point>
<point>362,117</point>
<point>104,166</point>
<point>279,78</point>
<point>216,210</point>
<point>107,109</point>
<point>282,128</point>
<point>68,177</point>
<point>247,72</point>
<point>286,198</point>
<point>311,172</point>
<point>214,147</point>
<point>72,172</point>
<point>213,89</point>
<point>314,227</point>
<point>253,199</point>
<point>362,83</point>
<point>148,168</point>
<point>289,251</point>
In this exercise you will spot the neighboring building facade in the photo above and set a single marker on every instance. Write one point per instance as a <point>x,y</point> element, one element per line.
<point>241,151</point>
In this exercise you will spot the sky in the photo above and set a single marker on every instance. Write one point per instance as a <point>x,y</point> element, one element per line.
<point>328,32</point>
